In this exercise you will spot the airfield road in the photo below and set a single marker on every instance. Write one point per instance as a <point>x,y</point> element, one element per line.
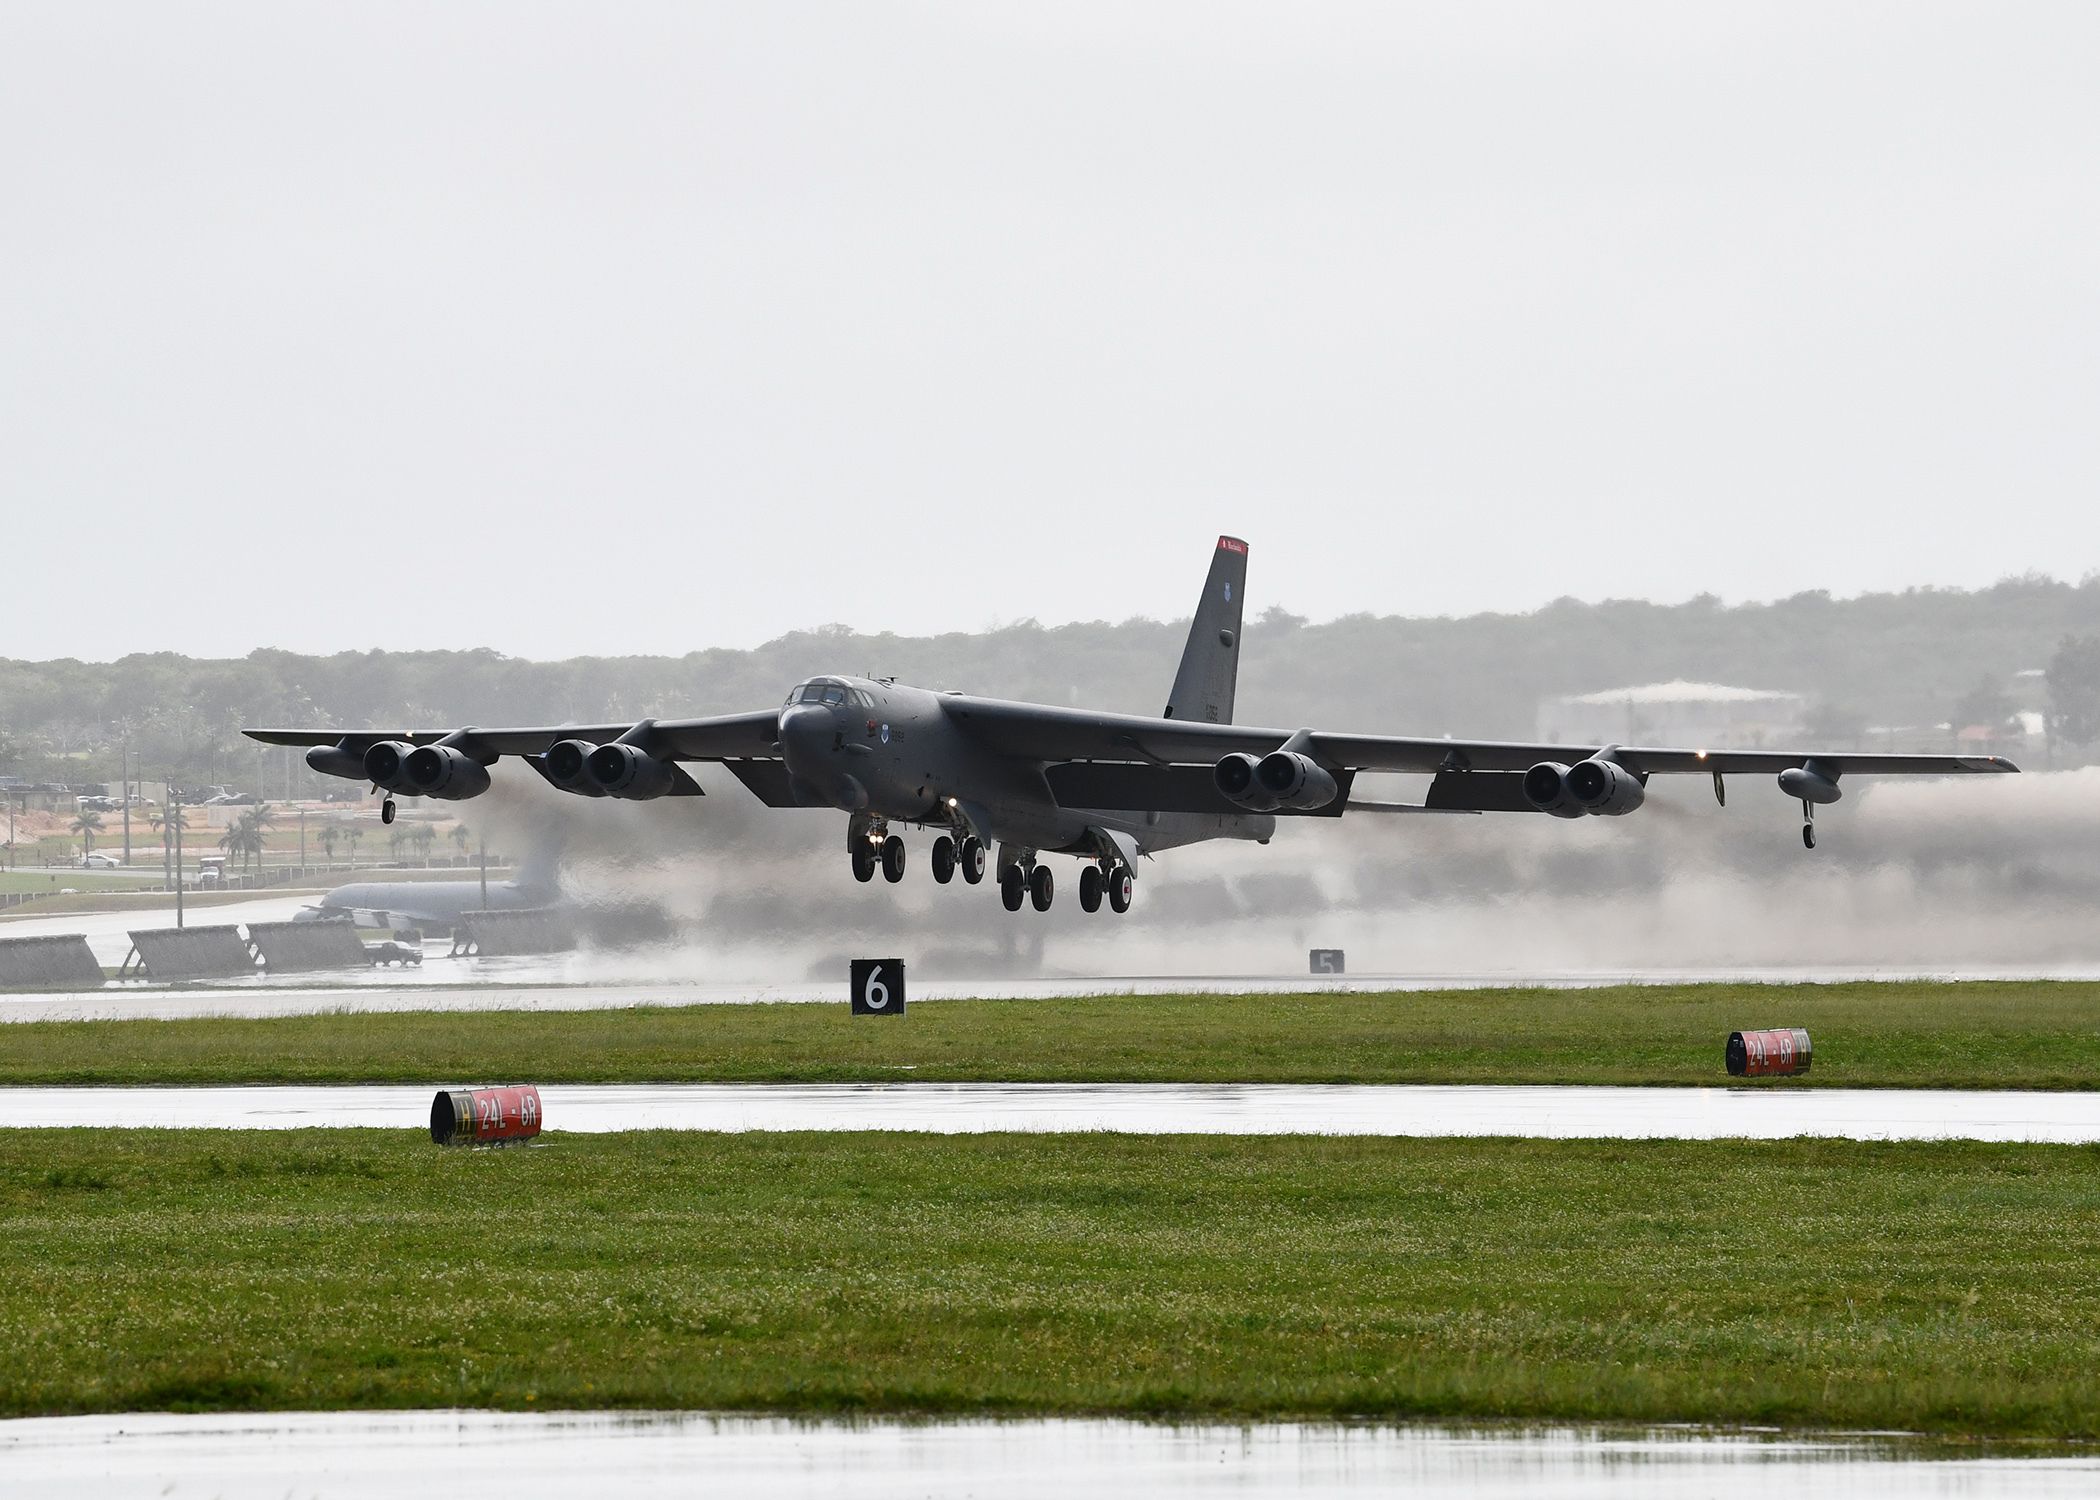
<point>1583,1111</point>
<point>1947,1287</point>
<point>443,1455</point>
<point>2014,1035</point>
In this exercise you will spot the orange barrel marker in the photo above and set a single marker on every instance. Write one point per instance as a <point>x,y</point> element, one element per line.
<point>485,1117</point>
<point>1768,1054</point>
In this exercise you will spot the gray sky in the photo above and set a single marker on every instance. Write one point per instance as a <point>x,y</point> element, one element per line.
<point>602,329</point>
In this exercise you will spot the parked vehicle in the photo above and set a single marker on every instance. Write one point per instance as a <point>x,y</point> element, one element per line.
<point>100,861</point>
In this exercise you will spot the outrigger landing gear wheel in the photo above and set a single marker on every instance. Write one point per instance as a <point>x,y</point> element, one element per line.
<point>863,855</point>
<point>1041,887</point>
<point>1013,887</point>
<point>893,859</point>
<point>1090,887</point>
<point>1119,891</point>
<point>944,859</point>
<point>387,810</point>
<point>971,860</point>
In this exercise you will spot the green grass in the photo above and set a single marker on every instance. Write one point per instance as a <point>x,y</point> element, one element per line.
<point>1944,1287</point>
<point>18,882</point>
<point>2025,1035</point>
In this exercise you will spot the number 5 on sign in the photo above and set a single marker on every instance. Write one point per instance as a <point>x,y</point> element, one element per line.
<point>878,986</point>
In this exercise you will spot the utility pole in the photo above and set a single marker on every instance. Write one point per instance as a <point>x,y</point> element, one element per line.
<point>302,833</point>
<point>484,872</point>
<point>124,791</point>
<point>174,812</point>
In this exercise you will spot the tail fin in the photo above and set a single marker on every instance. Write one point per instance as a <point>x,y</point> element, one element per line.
<point>1210,662</point>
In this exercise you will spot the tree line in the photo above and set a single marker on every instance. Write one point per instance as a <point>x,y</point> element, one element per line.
<point>1919,656</point>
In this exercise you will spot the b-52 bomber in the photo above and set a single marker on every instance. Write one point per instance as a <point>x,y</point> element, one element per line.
<point>1036,780</point>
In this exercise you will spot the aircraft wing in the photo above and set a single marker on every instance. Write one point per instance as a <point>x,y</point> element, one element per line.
<point>1027,731</point>
<point>725,737</point>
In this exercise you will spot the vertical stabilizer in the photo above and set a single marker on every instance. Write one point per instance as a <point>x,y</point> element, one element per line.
<point>1210,662</point>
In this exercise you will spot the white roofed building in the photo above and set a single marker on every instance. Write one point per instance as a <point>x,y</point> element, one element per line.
<point>1698,715</point>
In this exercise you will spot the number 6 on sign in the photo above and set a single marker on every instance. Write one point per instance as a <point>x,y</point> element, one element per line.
<point>877,986</point>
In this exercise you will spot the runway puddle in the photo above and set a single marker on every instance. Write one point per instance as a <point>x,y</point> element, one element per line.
<point>1757,1112</point>
<point>441,1454</point>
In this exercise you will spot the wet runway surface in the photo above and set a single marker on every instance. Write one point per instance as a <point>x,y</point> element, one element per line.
<point>447,1454</point>
<point>1757,1112</point>
<point>540,983</point>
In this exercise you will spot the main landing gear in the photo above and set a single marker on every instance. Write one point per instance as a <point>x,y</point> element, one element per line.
<point>1024,878</point>
<point>949,857</point>
<point>869,844</point>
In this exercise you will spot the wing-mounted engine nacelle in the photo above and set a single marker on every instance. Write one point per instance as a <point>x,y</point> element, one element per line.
<point>623,771</point>
<point>566,765</point>
<point>386,766</point>
<point>1604,788</point>
<point>1238,780</point>
<point>1546,788</point>
<point>1294,780</point>
<point>445,772</point>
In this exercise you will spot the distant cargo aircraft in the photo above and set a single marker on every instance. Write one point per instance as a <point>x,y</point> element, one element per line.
<point>1038,780</point>
<point>433,905</point>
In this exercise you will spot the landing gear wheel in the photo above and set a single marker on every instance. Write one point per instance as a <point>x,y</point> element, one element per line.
<point>893,859</point>
<point>864,862</point>
<point>1090,886</point>
<point>387,811</point>
<point>1119,891</point>
<point>970,858</point>
<point>944,859</point>
<point>1013,887</point>
<point>1041,887</point>
<point>1808,835</point>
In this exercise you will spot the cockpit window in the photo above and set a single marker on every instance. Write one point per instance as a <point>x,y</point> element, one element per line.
<point>821,692</point>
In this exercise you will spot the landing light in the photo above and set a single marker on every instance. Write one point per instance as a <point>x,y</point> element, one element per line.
<point>1700,753</point>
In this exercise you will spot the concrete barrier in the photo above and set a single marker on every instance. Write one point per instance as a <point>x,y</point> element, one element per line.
<point>289,947</point>
<point>190,953</point>
<point>494,934</point>
<point>48,963</point>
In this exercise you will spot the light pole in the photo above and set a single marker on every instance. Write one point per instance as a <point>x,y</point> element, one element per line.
<point>124,791</point>
<point>174,813</point>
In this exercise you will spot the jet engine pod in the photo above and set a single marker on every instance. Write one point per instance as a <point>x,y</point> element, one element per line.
<point>1603,787</point>
<point>563,762</point>
<point>623,771</point>
<point>1295,780</point>
<point>333,760</point>
<point>1237,778</point>
<point>1546,788</point>
<point>445,773</point>
<point>386,766</point>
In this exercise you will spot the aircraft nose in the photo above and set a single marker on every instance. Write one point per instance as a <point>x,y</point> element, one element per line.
<point>807,732</point>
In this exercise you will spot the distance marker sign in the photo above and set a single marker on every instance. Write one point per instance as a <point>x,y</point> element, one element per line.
<point>878,986</point>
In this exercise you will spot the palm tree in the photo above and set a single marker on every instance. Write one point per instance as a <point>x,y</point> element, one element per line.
<point>87,823</point>
<point>330,833</point>
<point>164,823</point>
<point>459,837</point>
<point>422,836</point>
<point>350,836</point>
<point>394,841</point>
<point>260,821</point>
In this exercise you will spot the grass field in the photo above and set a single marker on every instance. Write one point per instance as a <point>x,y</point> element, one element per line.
<point>1971,1035</point>
<point>1933,1287</point>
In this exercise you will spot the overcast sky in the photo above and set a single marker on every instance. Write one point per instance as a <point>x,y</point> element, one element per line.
<point>631,328</point>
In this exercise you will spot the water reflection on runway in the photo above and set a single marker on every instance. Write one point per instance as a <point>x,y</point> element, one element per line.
<point>442,1455</point>
<point>1755,1112</point>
